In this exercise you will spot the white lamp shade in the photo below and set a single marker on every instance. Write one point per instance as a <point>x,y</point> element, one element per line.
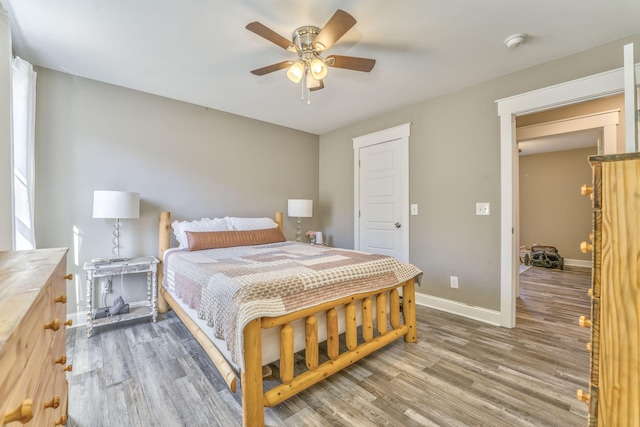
<point>116,204</point>
<point>300,208</point>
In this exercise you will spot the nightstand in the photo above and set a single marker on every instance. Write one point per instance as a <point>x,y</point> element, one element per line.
<point>147,265</point>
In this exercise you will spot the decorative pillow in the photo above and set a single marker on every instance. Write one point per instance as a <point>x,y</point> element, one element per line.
<point>226,239</point>
<point>236,223</point>
<point>204,224</point>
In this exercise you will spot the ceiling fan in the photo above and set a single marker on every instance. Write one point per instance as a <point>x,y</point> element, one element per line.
<point>309,43</point>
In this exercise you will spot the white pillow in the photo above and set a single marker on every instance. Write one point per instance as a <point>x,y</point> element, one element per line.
<point>240,224</point>
<point>204,224</point>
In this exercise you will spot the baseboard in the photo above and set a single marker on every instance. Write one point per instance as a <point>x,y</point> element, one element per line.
<point>578,263</point>
<point>78,319</point>
<point>472,312</point>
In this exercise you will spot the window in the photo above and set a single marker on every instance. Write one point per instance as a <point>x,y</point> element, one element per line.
<point>24,115</point>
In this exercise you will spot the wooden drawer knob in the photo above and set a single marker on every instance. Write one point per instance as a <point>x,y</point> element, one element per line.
<point>53,403</point>
<point>22,413</point>
<point>68,322</point>
<point>585,247</point>
<point>62,360</point>
<point>584,322</point>
<point>585,190</point>
<point>54,325</point>
<point>69,276</point>
<point>590,293</point>
<point>62,421</point>
<point>582,396</point>
<point>68,368</point>
<point>61,299</point>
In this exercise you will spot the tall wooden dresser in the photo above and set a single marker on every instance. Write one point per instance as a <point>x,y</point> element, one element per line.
<point>33,363</point>
<point>614,383</point>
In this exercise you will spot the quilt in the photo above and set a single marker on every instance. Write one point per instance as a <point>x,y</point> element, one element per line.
<point>230,287</point>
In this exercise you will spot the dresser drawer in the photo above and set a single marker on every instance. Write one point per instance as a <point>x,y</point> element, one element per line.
<point>25,340</point>
<point>33,334</point>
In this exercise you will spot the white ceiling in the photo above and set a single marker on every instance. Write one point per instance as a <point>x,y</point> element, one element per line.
<point>199,51</point>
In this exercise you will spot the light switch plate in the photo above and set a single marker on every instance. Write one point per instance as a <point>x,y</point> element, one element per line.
<point>482,208</point>
<point>414,209</point>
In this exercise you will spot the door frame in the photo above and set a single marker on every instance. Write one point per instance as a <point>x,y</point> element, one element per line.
<point>402,133</point>
<point>572,92</point>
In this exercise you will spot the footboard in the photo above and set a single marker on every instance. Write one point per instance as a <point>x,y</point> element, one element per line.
<point>388,327</point>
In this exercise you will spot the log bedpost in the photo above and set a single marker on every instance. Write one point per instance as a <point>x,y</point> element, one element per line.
<point>367,319</point>
<point>164,235</point>
<point>351,332</point>
<point>286,354</point>
<point>409,310</point>
<point>394,309</point>
<point>251,376</point>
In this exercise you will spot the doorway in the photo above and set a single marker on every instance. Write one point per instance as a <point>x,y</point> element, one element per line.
<point>588,88</point>
<point>553,147</point>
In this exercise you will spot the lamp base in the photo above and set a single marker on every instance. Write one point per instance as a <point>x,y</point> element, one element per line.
<point>116,239</point>
<point>298,232</point>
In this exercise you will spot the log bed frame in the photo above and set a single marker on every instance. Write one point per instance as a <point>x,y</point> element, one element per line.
<point>254,398</point>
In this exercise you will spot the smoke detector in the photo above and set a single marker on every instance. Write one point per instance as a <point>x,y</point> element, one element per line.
<point>515,40</point>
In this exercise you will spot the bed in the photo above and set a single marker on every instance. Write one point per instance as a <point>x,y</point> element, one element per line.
<point>242,292</point>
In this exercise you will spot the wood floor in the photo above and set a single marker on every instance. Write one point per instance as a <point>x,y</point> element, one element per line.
<point>460,373</point>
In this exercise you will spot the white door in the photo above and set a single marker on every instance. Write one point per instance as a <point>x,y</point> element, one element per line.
<point>382,194</point>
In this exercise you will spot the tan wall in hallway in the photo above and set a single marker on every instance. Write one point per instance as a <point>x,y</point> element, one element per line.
<point>552,210</point>
<point>609,103</point>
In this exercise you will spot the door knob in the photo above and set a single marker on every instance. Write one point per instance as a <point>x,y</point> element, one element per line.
<point>398,225</point>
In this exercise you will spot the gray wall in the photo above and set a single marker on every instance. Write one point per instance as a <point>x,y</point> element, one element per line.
<point>455,162</point>
<point>552,211</point>
<point>5,134</point>
<point>194,162</point>
<point>186,159</point>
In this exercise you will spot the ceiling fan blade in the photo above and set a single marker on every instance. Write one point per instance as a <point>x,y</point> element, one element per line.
<point>351,63</point>
<point>271,68</point>
<point>320,86</point>
<point>338,25</point>
<point>271,35</point>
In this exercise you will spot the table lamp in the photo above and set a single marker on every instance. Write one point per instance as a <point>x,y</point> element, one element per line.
<point>116,205</point>
<point>300,208</point>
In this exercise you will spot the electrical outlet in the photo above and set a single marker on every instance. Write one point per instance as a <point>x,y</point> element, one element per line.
<point>454,282</point>
<point>106,286</point>
<point>482,208</point>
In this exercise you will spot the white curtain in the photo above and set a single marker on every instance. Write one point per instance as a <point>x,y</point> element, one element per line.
<point>24,126</point>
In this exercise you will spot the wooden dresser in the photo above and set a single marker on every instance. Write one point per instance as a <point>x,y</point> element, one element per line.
<point>614,383</point>
<point>33,363</point>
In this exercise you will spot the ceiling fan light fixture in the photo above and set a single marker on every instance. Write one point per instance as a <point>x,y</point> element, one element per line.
<point>318,69</point>
<point>295,72</point>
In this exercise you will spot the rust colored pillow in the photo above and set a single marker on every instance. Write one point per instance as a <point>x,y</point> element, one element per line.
<point>200,240</point>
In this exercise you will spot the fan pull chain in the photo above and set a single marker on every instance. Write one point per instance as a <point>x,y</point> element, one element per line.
<point>304,85</point>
